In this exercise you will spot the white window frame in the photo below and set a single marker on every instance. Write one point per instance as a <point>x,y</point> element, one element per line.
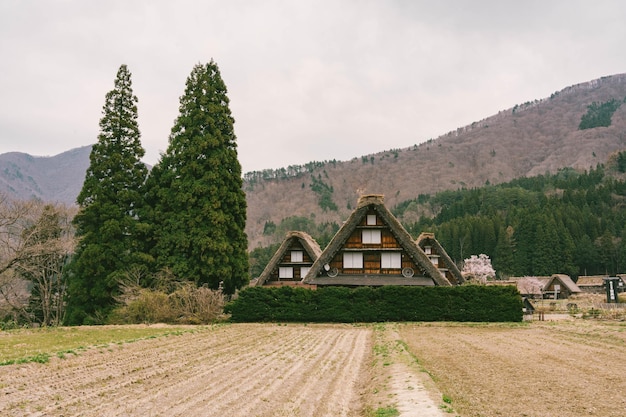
<point>304,270</point>
<point>391,260</point>
<point>353,260</point>
<point>371,220</point>
<point>285,272</point>
<point>371,236</point>
<point>428,250</point>
<point>297,256</point>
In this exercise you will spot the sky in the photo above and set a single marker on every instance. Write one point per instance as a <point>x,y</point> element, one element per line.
<point>307,80</point>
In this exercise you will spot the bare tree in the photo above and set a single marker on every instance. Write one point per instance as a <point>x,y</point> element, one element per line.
<point>36,241</point>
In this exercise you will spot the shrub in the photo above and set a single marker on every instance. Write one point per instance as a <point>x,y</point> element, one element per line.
<point>186,305</point>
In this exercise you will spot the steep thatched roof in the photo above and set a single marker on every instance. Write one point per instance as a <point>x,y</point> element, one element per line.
<point>428,239</point>
<point>564,280</point>
<point>530,285</point>
<point>308,243</point>
<point>317,274</point>
<point>590,281</point>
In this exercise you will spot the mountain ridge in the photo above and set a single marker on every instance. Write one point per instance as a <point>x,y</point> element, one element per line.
<point>527,139</point>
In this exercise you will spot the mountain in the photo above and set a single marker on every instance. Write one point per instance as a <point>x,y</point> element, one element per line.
<point>51,178</point>
<point>528,139</point>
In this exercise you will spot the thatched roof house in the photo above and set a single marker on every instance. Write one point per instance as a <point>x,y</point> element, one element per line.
<point>439,257</point>
<point>596,284</point>
<point>291,261</point>
<point>373,249</point>
<point>560,286</point>
<point>592,284</point>
<point>531,286</point>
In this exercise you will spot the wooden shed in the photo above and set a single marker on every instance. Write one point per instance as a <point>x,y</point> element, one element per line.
<point>291,261</point>
<point>373,249</point>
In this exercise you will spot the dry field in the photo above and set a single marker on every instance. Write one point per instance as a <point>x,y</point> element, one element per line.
<point>568,368</point>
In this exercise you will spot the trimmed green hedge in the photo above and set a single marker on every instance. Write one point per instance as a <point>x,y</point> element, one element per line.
<point>346,305</point>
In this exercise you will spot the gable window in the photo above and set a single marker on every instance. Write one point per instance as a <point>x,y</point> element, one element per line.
<point>428,250</point>
<point>353,260</point>
<point>296,256</point>
<point>371,220</point>
<point>285,272</point>
<point>371,236</point>
<point>391,260</point>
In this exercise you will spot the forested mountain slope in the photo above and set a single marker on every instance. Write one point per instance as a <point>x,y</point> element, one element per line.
<point>526,140</point>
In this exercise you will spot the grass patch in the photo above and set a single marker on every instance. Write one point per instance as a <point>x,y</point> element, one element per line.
<point>387,412</point>
<point>381,412</point>
<point>38,345</point>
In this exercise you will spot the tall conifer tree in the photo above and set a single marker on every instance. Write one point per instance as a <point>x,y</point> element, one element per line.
<point>107,223</point>
<point>197,204</point>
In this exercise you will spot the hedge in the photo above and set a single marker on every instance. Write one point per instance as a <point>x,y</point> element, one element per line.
<point>473,303</point>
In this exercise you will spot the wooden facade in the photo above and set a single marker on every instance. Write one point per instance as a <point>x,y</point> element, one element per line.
<point>439,257</point>
<point>378,248</point>
<point>560,286</point>
<point>372,248</point>
<point>291,261</point>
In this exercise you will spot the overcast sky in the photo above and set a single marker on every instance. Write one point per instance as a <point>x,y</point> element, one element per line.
<point>307,80</point>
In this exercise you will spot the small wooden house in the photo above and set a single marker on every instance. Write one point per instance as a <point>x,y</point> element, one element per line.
<point>439,257</point>
<point>291,261</point>
<point>560,286</point>
<point>373,249</point>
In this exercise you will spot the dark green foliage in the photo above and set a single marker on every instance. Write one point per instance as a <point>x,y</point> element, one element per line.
<point>599,114</point>
<point>260,257</point>
<point>197,208</point>
<point>366,304</point>
<point>569,222</point>
<point>107,225</point>
<point>621,161</point>
<point>322,232</point>
<point>269,228</point>
<point>325,194</point>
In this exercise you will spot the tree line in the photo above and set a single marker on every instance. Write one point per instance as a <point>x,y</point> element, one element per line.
<point>184,219</point>
<point>569,222</point>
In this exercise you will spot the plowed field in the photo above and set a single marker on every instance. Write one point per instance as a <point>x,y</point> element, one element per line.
<point>565,369</point>
<point>238,370</point>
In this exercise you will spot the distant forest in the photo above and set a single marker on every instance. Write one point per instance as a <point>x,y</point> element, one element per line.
<point>569,222</point>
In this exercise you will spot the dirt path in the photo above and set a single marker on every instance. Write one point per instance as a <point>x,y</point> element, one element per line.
<point>399,379</point>
<point>235,370</point>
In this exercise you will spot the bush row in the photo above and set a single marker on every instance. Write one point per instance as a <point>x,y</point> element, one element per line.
<point>339,304</point>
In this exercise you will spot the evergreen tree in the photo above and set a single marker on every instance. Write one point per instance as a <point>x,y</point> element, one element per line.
<point>107,224</point>
<point>197,205</point>
<point>503,257</point>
